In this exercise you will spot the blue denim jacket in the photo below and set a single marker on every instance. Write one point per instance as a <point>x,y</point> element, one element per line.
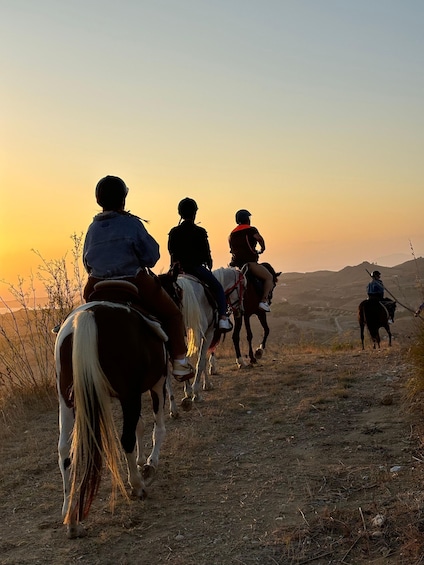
<point>117,245</point>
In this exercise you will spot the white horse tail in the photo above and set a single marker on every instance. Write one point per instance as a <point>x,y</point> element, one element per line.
<point>192,316</point>
<point>94,440</point>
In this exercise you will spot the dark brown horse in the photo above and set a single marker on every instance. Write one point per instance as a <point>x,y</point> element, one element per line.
<point>103,350</point>
<point>374,315</point>
<point>251,299</point>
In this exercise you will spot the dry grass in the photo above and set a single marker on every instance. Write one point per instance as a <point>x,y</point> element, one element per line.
<point>288,462</point>
<point>285,463</point>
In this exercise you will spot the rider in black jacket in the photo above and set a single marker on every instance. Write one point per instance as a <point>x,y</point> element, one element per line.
<point>188,245</point>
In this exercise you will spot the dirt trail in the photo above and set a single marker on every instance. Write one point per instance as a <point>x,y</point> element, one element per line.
<point>285,463</point>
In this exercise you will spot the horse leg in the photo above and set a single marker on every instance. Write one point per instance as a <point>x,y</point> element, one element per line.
<point>158,404</point>
<point>173,410</point>
<point>389,333</point>
<point>249,336</point>
<point>207,383</point>
<point>212,364</point>
<point>238,321</point>
<point>362,335</point>
<point>263,321</point>
<point>132,433</point>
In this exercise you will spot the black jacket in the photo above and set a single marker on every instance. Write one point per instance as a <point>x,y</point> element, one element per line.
<point>188,245</point>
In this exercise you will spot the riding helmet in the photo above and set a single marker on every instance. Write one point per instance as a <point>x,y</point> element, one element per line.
<point>376,274</point>
<point>187,208</point>
<point>111,192</point>
<point>242,216</point>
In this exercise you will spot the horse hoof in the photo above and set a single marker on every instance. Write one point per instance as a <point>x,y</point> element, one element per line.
<point>186,404</point>
<point>148,473</point>
<point>75,531</point>
<point>259,353</point>
<point>241,363</point>
<point>139,494</point>
<point>208,386</point>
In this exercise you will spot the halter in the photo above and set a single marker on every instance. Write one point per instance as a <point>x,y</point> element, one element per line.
<point>236,306</point>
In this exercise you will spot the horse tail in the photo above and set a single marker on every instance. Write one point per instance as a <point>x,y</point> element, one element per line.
<point>94,439</point>
<point>192,316</point>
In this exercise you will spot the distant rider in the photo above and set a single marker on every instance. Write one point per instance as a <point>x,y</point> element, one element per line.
<point>375,291</point>
<point>375,288</point>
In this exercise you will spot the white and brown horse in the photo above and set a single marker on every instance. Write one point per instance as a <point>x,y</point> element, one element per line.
<point>200,319</point>
<point>105,350</point>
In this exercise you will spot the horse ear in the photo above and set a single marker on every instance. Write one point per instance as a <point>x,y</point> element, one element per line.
<point>278,274</point>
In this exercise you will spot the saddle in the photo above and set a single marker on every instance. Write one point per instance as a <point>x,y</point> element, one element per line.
<point>209,294</point>
<point>126,293</point>
<point>114,290</point>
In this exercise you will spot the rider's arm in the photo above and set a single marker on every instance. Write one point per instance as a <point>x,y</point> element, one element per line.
<point>260,240</point>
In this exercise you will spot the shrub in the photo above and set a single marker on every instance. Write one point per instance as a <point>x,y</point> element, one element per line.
<point>26,338</point>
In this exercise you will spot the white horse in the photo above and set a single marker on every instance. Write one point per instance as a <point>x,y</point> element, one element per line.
<point>200,319</point>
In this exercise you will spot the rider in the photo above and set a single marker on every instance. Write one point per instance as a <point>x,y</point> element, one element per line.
<point>375,291</point>
<point>188,246</point>
<point>375,288</point>
<point>243,240</point>
<point>118,246</point>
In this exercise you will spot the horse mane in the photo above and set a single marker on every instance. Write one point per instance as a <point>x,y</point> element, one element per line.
<point>219,274</point>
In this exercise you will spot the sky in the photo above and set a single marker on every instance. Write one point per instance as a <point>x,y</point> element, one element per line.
<point>307,113</point>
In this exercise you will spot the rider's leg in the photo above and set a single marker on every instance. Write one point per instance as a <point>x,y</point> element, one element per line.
<point>158,302</point>
<point>262,273</point>
<point>205,275</point>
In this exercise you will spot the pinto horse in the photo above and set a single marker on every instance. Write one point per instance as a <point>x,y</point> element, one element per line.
<point>200,319</point>
<point>103,350</point>
<point>374,315</point>
<point>251,300</point>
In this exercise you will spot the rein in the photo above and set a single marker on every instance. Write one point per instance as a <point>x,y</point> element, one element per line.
<point>238,287</point>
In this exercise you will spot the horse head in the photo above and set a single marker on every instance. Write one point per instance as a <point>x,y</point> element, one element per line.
<point>273,272</point>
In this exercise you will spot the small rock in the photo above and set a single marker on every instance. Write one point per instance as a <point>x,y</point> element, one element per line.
<point>179,537</point>
<point>378,520</point>
<point>387,400</point>
<point>395,468</point>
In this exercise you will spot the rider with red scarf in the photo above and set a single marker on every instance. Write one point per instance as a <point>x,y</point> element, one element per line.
<point>243,240</point>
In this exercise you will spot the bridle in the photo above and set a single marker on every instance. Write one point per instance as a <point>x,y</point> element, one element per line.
<point>236,304</point>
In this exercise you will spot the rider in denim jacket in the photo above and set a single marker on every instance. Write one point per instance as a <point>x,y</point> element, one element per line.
<point>118,246</point>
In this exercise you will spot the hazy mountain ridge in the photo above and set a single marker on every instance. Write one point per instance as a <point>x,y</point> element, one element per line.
<point>346,287</point>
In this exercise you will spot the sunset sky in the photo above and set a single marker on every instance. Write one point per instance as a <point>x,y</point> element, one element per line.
<point>308,113</point>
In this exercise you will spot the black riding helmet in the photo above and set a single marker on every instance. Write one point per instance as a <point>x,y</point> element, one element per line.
<point>187,208</point>
<point>242,216</point>
<point>111,192</point>
<point>376,274</point>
